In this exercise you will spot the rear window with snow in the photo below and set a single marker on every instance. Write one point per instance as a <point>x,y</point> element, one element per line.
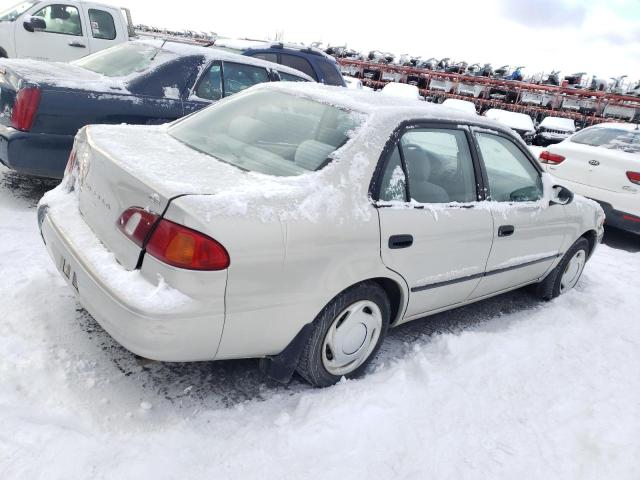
<point>269,132</point>
<point>614,138</point>
<point>125,59</point>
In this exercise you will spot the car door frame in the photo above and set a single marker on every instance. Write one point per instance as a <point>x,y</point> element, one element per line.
<point>375,189</point>
<point>553,259</point>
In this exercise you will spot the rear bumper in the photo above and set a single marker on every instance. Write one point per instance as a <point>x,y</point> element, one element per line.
<point>143,317</point>
<point>618,219</point>
<point>38,154</point>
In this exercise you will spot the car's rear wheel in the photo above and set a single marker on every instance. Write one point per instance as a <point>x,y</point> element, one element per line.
<point>347,335</point>
<point>567,273</point>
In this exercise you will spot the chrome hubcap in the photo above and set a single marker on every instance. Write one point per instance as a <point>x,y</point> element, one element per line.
<point>351,338</point>
<point>573,271</point>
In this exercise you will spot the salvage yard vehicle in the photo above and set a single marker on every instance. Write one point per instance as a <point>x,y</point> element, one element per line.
<point>461,105</point>
<point>296,223</point>
<point>602,163</point>
<point>553,130</point>
<point>61,31</point>
<point>520,122</point>
<point>312,61</point>
<point>139,82</point>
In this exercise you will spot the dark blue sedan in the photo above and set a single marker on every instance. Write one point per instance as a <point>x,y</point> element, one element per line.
<point>44,104</point>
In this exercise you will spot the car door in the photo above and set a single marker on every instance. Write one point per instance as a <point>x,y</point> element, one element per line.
<point>63,39</point>
<point>528,231</point>
<point>103,31</point>
<point>432,231</point>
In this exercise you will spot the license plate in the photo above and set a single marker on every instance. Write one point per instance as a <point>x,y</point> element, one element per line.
<point>65,268</point>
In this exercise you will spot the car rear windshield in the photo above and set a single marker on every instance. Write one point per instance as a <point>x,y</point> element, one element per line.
<point>269,132</point>
<point>125,59</point>
<point>615,138</point>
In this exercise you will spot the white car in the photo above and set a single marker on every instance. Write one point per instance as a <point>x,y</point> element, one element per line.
<point>520,122</point>
<point>461,105</point>
<point>296,224</point>
<point>61,31</point>
<point>401,90</point>
<point>603,163</point>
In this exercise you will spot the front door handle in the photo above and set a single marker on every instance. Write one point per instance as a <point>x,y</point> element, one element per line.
<point>506,230</point>
<point>400,241</point>
<point>77,45</point>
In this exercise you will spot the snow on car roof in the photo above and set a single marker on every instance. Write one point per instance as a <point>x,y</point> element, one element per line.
<point>393,108</point>
<point>559,123</point>
<point>518,121</point>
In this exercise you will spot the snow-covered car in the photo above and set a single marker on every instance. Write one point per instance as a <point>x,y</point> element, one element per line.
<point>296,224</point>
<point>520,122</point>
<point>461,105</point>
<point>603,163</point>
<point>401,90</point>
<point>553,130</point>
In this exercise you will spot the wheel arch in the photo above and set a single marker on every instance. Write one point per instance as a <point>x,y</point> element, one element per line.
<point>592,237</point>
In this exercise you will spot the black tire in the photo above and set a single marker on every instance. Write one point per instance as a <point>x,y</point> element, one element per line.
<point>549,288</point>
<point>310,365</point>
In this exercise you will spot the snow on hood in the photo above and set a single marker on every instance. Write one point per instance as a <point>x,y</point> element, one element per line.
<point>517,121</point>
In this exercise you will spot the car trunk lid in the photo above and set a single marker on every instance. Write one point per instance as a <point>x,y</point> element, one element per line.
<point>119,167</point>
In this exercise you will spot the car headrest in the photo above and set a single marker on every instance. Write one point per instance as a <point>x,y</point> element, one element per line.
<point>246,129</point>
<point>310,154</point>
<point>417,161</point>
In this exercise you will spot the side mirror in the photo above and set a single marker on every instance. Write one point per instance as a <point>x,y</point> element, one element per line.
<point>34,23</point>
<point>560,195</point>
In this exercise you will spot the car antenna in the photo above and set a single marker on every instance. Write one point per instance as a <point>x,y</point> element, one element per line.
<point>153,57</point>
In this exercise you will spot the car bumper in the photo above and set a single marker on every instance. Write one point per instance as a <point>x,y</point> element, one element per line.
<point>186,332</point>
<point>38,154</point>
<point>618,219</point>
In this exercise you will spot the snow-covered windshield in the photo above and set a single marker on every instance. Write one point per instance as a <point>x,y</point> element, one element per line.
<point>614,138</point>
<point>269,132</point>
<point>124,59</point>
<point>10,14</point>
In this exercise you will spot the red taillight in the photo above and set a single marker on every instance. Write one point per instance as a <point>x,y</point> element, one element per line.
<point>171,243</point>
<point>183,247</point>
<point>631,218</point>
<point>634,177</point>
<point>25,108</point>
<point>551,158</point>
<point>136,224</point>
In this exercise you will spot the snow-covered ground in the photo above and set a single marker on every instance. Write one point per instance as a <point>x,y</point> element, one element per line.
<point>507,388</point>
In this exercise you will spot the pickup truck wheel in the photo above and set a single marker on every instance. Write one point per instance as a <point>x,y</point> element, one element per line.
<point>347,335</point>
<point>567,273</point>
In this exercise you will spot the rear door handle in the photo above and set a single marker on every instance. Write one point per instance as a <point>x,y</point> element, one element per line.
<point>506,230</point>
<point>77,44</point>
<point>400,241</point>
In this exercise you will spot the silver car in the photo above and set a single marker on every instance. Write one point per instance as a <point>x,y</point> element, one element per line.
<point>297,223</point>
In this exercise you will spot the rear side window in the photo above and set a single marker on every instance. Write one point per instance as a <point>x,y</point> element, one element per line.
<point>102,25</point>
<point>238,76</point>
<point>512,177</point>
<point>269,57</point>
<point>287,77</point>
<point>299,63</point>
<point>63,19</point>
<point>330,74</point>
<point>210,86</point>
<point>394,182</point>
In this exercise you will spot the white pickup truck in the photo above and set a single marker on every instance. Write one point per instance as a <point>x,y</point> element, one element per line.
<point>61,30</point>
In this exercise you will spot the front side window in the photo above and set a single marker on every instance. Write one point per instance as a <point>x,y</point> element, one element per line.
<point>63,19</point>
<point>210,86</point>
<point>10,14</point>
<point>512,177</point>
<point>439,166</point>
<point>299,63</point>
<point>287,77</point>
<point>102,25</point>
<point>238,76</point>
<point>614,138</point>
<point>269,132</point>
